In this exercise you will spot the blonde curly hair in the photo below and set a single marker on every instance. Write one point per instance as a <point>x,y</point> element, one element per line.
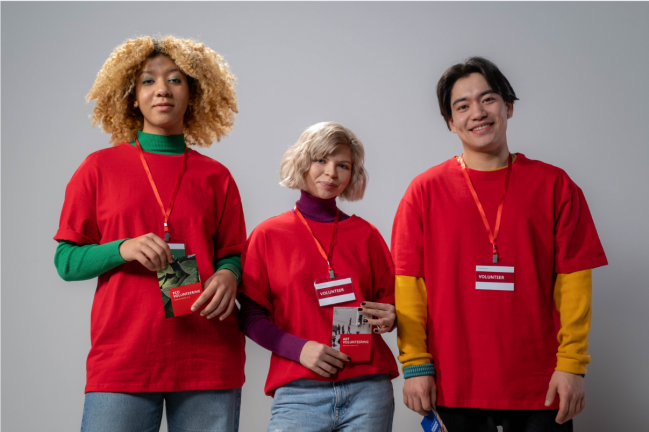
<point>316,142</point>
<point>212,99</point>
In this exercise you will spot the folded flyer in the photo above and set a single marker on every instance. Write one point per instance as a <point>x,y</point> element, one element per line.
<point>433,423</point>
<point>180,285</point>
<point>350,335</point>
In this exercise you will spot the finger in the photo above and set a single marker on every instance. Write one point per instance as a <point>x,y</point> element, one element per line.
<point>208,291</point>
<point>418,407</point>
<point>433,395</point>
<point>378,312</point>
<point>160,252</point>
<point>224,303</point>
<point>382,329</point>
<point>151,254</point>
<point>145,261</point>
<point>321,372</point>
<point>326,367</point>
<point>405,397</point>
<point>563,410</point>
<point>333,361</point>
<point>583,404</point>
<point>574,403</point>
<point>551,394</point>
<point>337,354</point>
<point>229,310</point>
<point>216,301</point>
<point>378,306</point>
<point>165,247</point>
<point>425,403</point>
<point>377,322</point>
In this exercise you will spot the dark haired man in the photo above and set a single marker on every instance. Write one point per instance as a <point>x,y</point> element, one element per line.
<point>493,253</point>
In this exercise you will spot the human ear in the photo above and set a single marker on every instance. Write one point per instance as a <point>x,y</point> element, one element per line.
<point>510,109</point>
<point>451,125</point>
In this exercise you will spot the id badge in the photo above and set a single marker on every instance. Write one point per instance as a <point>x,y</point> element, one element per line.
<point>494,277</point>
<point>334,291</point>
<point>177,249</point>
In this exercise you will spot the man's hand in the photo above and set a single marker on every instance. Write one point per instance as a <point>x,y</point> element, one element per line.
<point>572,395</point>
<point>221,287</point>
<point>386,314</point>
<point>322,359</point>
<point>149,250</point>
<point>420,393</point>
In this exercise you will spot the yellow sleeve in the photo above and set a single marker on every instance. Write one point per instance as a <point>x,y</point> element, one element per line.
<point>411,301</point>
<point>573,294</point>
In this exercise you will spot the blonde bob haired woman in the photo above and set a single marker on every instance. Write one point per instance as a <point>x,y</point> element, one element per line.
<point>315,279</point>
<point>125,208</point>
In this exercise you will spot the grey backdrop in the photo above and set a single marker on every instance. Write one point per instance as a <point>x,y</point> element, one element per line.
<point>580,71</point>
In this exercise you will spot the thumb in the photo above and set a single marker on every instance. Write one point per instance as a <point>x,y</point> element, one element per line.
<point>551,394</point>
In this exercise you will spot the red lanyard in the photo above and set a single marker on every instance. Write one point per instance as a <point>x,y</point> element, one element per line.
<point>320,248</point>
<point>492,236</point>
<point>166,212</point>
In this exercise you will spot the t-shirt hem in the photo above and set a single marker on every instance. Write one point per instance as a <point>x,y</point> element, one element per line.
<point>391,374</point>
<point>598,262</point>
<point>499,405</point>
<point>137,388</point>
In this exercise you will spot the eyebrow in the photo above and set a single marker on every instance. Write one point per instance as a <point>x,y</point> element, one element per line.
<point>169,71</point>
<point>486,92</point>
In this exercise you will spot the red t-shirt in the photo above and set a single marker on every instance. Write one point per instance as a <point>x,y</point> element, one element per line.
<point>282,262</point>
<point>134,347</point>
<point>493,349</point>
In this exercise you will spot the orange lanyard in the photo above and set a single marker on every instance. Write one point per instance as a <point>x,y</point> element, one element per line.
<point>326,256</point>
<point>166,212</point>
<point>493,236</point>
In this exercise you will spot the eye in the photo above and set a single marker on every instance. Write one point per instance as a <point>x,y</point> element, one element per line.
<point>320,161</point>
<point>147,81</point>
<point>344,166</point>
<point>461,107</point>
<point>175,80</point>
<point>489,99</point>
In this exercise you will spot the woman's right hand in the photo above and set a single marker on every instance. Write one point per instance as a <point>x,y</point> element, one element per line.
<point>149,250</point>
<point>322,359</point>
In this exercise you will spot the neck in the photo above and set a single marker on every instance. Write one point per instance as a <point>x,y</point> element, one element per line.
<point>318,209</point>
<point>161,144</point>
<point>485,161</point>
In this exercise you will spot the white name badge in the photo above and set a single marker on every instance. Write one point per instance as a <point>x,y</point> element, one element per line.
<point>177,249</point>
<point>334,291</point>
<point>495,277</point>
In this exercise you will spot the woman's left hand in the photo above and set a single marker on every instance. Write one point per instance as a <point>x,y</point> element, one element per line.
<point>221,287</point>
<point>386,314</point>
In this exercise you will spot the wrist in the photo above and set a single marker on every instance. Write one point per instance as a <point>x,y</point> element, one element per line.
<point>119,250</point>
<point>418,370</point>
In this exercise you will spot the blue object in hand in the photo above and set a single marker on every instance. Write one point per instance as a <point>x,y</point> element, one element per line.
<point>430,423</point>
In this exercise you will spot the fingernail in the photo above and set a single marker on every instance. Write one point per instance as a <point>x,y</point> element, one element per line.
<point>547,403</point>
<point>363,304</point>
<point>364,319</point>
<point>193,308</point>
<point>349,358</point>
<point>360,309</point>
<point>376,330</point>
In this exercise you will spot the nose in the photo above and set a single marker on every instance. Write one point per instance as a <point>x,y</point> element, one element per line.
<point>478,112</point>
<point>330,170</point>
<point>162,89</point>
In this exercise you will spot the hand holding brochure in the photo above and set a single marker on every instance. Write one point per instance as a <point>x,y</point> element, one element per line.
<point>433,423</point>
<point>180,285</point>
<point>350,335</point>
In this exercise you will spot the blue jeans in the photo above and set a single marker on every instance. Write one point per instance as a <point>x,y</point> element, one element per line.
<point>358,404</point>
<point>196,411</point>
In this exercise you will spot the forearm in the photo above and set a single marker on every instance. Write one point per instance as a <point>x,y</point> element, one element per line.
<point>412,316</point>
<point>76,263</point>
<point>254,322</point>
<point>573,299</point>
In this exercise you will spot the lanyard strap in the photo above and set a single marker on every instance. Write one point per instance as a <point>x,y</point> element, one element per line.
<point>326,256</point>
<point>493,236</point>
<point>166,212</point>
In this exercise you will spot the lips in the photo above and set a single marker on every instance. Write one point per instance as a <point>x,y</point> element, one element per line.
<point>482,127</point>
<point>328,186</point>
<point>164,107</point>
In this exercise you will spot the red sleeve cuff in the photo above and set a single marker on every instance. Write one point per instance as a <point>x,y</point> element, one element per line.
<point>73,236</point>
<point>231,250</point>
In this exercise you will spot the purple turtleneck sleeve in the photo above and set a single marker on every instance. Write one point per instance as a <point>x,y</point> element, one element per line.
<point>253,319</point>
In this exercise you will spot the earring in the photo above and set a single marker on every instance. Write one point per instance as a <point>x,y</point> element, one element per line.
<point>135,104</point>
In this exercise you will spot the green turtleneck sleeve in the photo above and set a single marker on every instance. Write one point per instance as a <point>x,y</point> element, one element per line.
<point>76,263</point>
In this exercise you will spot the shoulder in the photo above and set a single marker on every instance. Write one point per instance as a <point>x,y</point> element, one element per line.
<point>426,182</point>
<point>275,225</point>
<point>363,229</point>
<point>207,163</point>
<point>547,173</point>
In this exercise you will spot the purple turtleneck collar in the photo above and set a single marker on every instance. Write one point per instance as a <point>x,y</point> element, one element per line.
<point>318,209</point>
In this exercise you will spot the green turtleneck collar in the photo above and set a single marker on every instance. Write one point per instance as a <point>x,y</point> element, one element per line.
<point>161,144</point>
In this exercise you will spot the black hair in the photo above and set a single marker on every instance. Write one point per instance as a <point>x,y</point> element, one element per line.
<point>484,67</point>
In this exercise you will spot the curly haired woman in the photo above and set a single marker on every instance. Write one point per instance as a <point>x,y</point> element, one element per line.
<point>313,277</point>
<point>123,207</point>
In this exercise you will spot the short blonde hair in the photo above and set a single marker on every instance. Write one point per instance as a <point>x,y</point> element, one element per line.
<point>212,99</point>
<point>317,142</point>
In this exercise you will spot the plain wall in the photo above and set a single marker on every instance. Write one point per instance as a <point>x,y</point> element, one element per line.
<point>579,69</point>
